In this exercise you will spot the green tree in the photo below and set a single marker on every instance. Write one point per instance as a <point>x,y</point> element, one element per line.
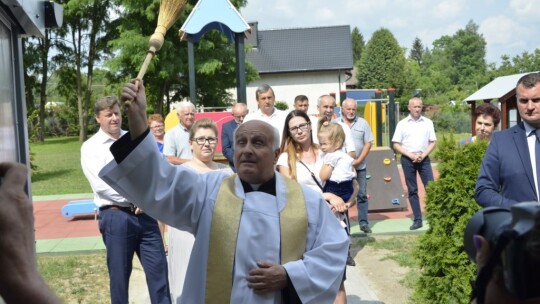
<point>446,271</point>
<point>382,63</point>
<point>465,52</point>
<point>37,70</point>
<point>455,67</point>
<point>88,26</point>
<point>417,51</point>
<point>167,75</point>
<point>357,44</point>
<point>527,62</point>
<point>411,82</point>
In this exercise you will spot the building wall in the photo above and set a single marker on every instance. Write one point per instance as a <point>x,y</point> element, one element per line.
<point>287,86</point>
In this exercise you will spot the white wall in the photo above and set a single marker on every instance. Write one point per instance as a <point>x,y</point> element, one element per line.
<point>287,86</point>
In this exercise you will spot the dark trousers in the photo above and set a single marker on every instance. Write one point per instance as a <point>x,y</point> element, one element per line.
<point>124,234</point>
<point>426,175</point>
<point>362,202</point>
<point>342,189</point>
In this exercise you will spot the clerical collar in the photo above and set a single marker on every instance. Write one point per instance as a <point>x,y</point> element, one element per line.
<point>267,187</point>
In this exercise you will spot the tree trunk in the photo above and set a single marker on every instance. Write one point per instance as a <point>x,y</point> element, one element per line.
<point>43,92</point>
<point>83,110</point>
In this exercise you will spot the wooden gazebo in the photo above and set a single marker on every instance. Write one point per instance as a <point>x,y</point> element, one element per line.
<point>501,90</point>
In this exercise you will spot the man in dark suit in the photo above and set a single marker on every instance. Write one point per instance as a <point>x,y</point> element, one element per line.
<point>239,111</point>
<point>509,172</point>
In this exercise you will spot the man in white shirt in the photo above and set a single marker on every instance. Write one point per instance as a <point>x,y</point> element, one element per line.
<point>267,112</point>
<point>415,139</point>
<point>124,227</point>
<point>176,142</point>
<point>259,237</point>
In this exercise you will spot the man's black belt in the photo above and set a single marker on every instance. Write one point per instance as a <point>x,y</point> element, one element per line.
<point>130,209</point>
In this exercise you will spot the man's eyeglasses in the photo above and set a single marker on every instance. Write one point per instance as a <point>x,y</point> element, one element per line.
<point>157,127</point>
<point>303,127</point>
<point>201,140</point>
<point>239,116</point>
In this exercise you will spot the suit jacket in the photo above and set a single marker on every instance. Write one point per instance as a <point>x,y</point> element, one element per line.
<point>227,134</point>
<point>506,175</point>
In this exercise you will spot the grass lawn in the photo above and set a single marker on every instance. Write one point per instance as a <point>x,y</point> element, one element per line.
<point>401,250</point>
<point>78,278</point>
<point>84,278</point>
<point>59,167</point>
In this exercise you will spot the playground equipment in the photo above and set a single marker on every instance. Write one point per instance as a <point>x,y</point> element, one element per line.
<point>384,187</point>
<point>79,207</point>
<point>376,112</point>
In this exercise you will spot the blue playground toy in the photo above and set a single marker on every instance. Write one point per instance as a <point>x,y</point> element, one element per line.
<point>80,207</point>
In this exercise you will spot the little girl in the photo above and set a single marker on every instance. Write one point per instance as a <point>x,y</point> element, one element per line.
<point>337,171</point>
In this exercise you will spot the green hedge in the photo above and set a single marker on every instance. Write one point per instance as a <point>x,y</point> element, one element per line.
<point>446,271</point>
<point>281,105</point>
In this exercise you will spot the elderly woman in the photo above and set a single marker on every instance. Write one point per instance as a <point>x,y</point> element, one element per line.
<point>300,159</point>
<point>156,125</point>
<point>487,117</point>
<point>203,138</point>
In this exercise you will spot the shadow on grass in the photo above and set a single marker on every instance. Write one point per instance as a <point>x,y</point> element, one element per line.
<point>57,140</point>
<point>41,176</point>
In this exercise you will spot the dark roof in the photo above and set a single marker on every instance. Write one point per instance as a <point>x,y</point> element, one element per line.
<point>301,49</point>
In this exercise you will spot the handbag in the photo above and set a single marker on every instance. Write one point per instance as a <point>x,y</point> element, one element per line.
<point>312,175</point>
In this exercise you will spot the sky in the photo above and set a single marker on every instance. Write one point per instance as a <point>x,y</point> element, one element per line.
<point>509,26</point>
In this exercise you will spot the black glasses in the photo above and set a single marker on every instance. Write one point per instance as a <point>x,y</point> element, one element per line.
<point>239,116</point>
<point>303,127</point>
<point>201,140</point>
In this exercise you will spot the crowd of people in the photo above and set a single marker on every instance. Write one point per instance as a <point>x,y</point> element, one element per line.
<point>278,230</point>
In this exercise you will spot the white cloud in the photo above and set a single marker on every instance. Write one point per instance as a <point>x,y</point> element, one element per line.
<point>325,14</point>
<point>285,8</point>
<point>503,36</point>
<point>500,30</point>
<point>448,9</point>
<point>525,8</point>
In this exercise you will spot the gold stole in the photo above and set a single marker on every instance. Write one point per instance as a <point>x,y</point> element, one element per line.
<point>224,233</point>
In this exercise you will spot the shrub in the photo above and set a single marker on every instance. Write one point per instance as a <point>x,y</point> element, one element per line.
<point>446,271</point>
<point>281,105</point>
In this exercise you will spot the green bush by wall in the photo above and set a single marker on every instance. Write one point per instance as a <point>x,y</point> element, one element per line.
<point>446,271</point>
<point>281,105</point>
